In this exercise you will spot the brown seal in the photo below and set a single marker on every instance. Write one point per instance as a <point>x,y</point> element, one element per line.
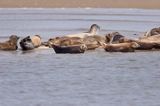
<point>121,47</point>
<point>146,43</point>
<point>93,42</point>
<point>65,41</point>
<point>114,37</point>
<point>11,44</point>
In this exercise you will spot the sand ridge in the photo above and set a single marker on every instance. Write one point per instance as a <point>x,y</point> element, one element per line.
<point>155,4</point>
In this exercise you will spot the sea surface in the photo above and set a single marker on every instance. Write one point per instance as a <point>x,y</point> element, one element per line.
<point>96,78</point>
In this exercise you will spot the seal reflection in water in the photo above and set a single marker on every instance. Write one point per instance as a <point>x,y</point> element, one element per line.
<point>69,49</point>
<point>29,43</point>
<point>11,44</point>
<point>121,47</point>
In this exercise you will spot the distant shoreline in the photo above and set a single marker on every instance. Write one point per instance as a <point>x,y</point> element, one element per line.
<point>143,4</point>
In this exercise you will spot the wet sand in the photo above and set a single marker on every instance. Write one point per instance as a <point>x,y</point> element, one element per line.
<point>153,4</point>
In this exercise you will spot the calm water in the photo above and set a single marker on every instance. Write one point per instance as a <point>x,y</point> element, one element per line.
<point>96,78</point>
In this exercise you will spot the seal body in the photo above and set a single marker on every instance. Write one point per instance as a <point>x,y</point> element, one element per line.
<point>11,44</point>
<point>36,40</point>
<point>146,43</point>
<point>121,47</point>
<point>94,30</point>
<point>114,37</point>
<point>65,41</point>
<point>69,49</point>
<point>93,42</point>
<point>152,32</point>
<point>29,43</point>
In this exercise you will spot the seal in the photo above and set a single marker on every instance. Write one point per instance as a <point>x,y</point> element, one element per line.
<point>11,44</point>
<point>114,37</point>
<point>147,43</point>
<point>29,43</point>
<point>152,32</point>
<point>93,42</point>
<point>155,38</point>
<point>69,49</point>
<point>94,30</point>
<point>121,47</point>
<point>26,43</point>
<point>65,41</point>
<point>153,42</point>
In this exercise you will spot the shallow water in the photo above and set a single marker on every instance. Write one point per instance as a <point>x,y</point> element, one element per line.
<point>96,78</point>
